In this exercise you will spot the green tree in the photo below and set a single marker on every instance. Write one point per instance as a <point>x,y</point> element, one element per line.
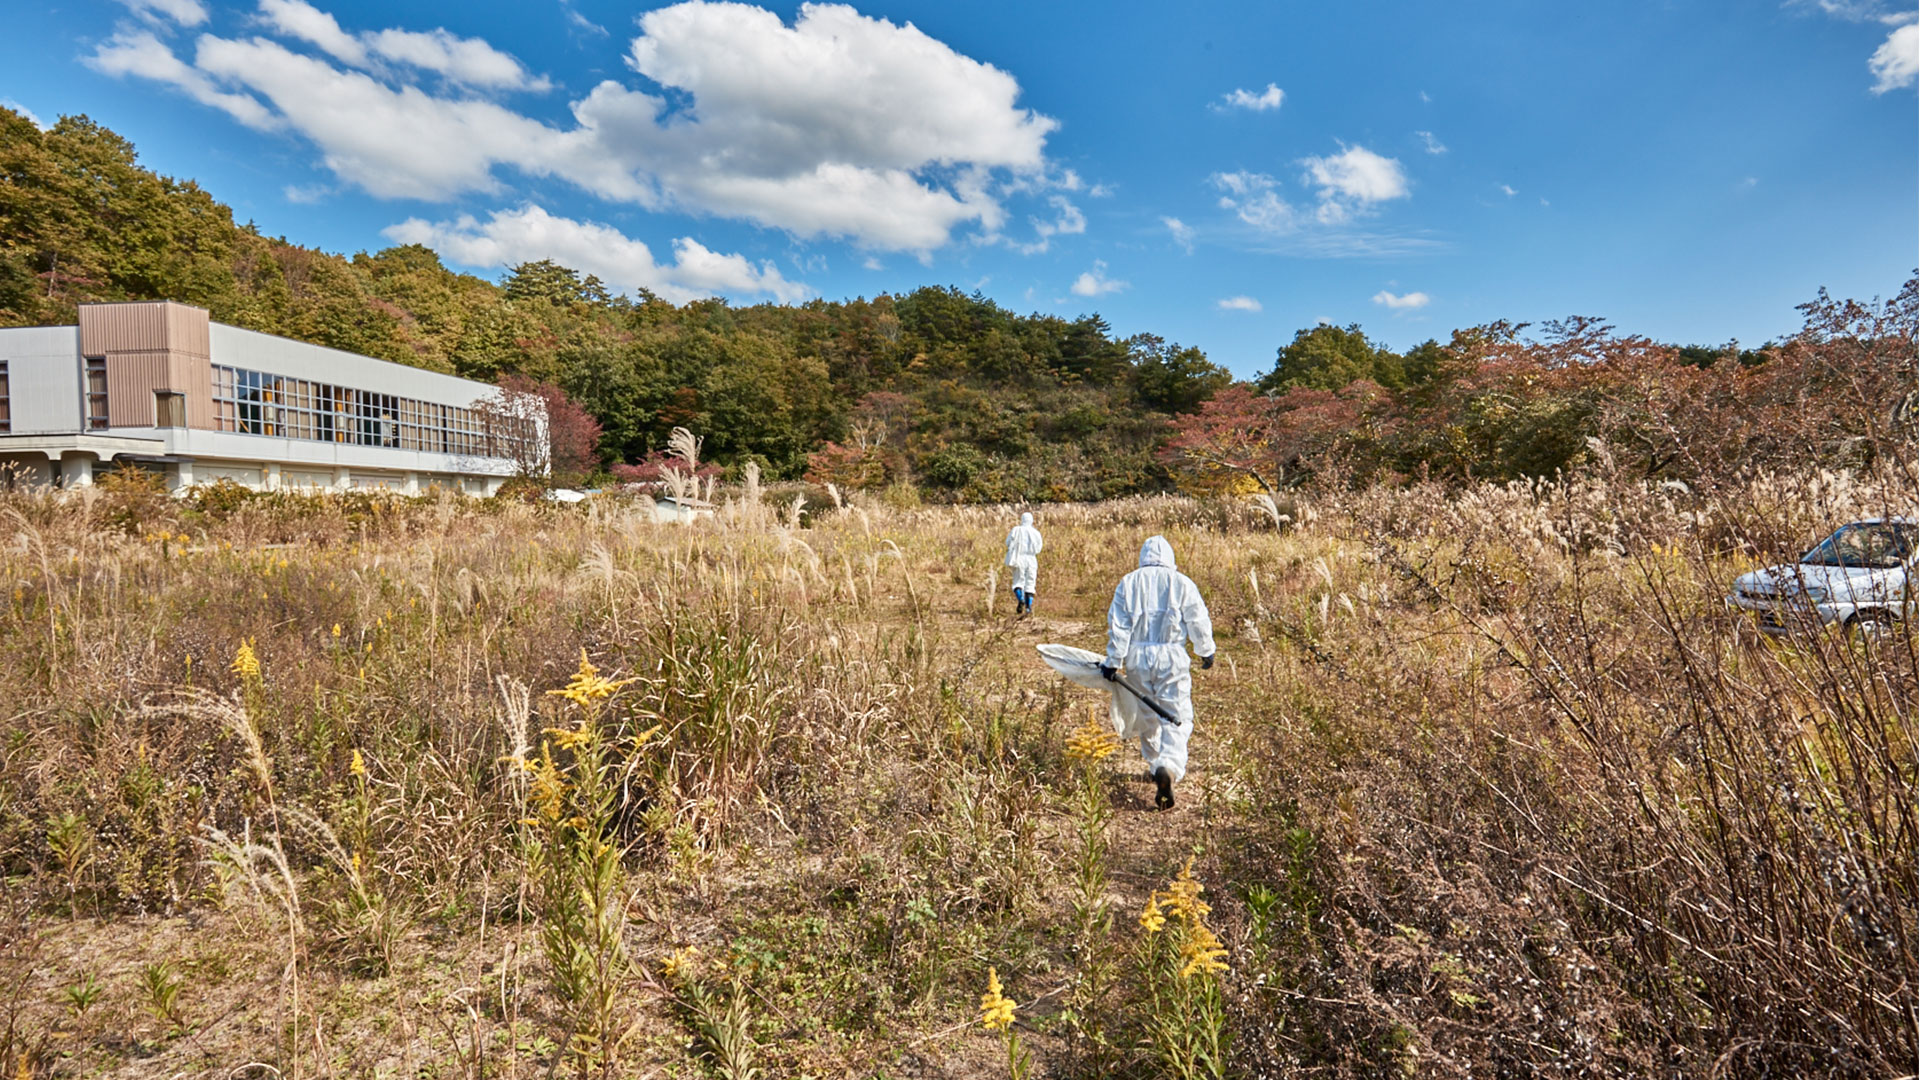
<point>548,281</point>
<point>1172,378</point>
<point>1329,357</point>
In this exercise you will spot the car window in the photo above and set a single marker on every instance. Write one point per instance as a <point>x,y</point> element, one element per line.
<point>1879,546</point>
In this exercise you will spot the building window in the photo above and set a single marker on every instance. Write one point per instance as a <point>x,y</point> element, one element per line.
<point>96,392</point>
<point>254,403</point>
<point>169,409</point>
<point>6,406</point>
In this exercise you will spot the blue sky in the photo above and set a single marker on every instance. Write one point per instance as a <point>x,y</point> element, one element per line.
<point>1221,177</point>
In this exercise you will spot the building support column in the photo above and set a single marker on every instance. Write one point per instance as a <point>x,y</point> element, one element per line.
<point>410,483</point>
<point>271,471</point>
<point>76,470</point>
<point>342,478</point>
<point>183,476</point>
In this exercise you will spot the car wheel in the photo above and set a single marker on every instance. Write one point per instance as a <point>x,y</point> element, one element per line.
<point>1870,626</point>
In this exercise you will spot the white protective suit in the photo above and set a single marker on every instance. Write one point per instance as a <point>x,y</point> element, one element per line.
<point>1023,553</point>
<point>1156,611</point>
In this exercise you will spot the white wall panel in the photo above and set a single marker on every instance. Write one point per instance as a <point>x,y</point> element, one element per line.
<point>43,378</point>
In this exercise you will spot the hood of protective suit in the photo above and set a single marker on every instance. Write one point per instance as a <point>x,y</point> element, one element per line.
<point>1026,519</point>
<point>1157,552</point>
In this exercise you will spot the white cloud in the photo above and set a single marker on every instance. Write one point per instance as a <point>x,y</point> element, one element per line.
<point>1095,282</point>
<point>1069,222</point>
<point>1857,10</point>
<point>468,61</point>
<point>1238,303</point>
<point>394,143</point>
<point>304,22</point>
<point>1100,191</point>
<point>837,85</point>
<point>1255,199</point>
<point>140,54</point>
<point>1508,190</point>
<point>510,237</point>
<point>839,125</point>
<point>1896,63</point>
<point>1399,303</point>
<point>184,12</point>
<point>1282,228</point>
<point>1270,98</point>
<point>1182,232</point>
<point>581,22</point>
<point>839,107</point>
<point>9,103</point>
<point>306,194</point>
<point>871,263</point>
<point>1432,145</point>
<point>1351,181</point>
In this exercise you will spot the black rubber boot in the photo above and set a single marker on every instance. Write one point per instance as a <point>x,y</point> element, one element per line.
<point>1163,789</point>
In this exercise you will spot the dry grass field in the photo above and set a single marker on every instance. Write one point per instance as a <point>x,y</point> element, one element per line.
<point>1486,783</point>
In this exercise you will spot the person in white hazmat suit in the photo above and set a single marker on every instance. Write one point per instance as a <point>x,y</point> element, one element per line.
<point>1023,555</point>
<point>1156,611</point>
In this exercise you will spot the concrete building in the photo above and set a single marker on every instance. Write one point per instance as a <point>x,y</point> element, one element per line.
<point>159,386</point>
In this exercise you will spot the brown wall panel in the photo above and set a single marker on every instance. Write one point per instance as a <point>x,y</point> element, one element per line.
<point>150,346</point>
<point>132,377</point>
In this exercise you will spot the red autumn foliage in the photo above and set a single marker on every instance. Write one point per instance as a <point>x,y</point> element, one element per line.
<point>1499,404</point>
<point>572,447</point>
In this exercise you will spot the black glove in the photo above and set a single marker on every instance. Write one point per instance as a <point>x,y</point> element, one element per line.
<point>1109,672</point>
<point>1206,662</point>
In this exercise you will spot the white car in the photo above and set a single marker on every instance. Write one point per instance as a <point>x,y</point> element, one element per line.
<point>1856,578</point>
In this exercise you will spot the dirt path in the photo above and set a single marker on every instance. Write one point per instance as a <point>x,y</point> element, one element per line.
<point>1148,845</point>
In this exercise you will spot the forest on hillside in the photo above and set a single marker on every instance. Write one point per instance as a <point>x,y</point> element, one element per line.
<point>943,394</point>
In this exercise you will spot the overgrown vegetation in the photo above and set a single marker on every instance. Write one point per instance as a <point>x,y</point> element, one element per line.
<point>1487,781</point>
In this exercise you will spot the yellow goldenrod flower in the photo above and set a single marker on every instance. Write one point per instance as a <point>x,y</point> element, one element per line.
<point>587,687</point>
<point>336,630</point>
<point>683,959</point>
<point>1202,952</point>
<point>1183,895</point>
<point>996,1010</point>
<point>356,864</point>
<point>548,789</point>
<point>1151,920</point>
<point>359,765</point>
<point>1091,741</point>
<point>245,663</point>
<point>568,738</point>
